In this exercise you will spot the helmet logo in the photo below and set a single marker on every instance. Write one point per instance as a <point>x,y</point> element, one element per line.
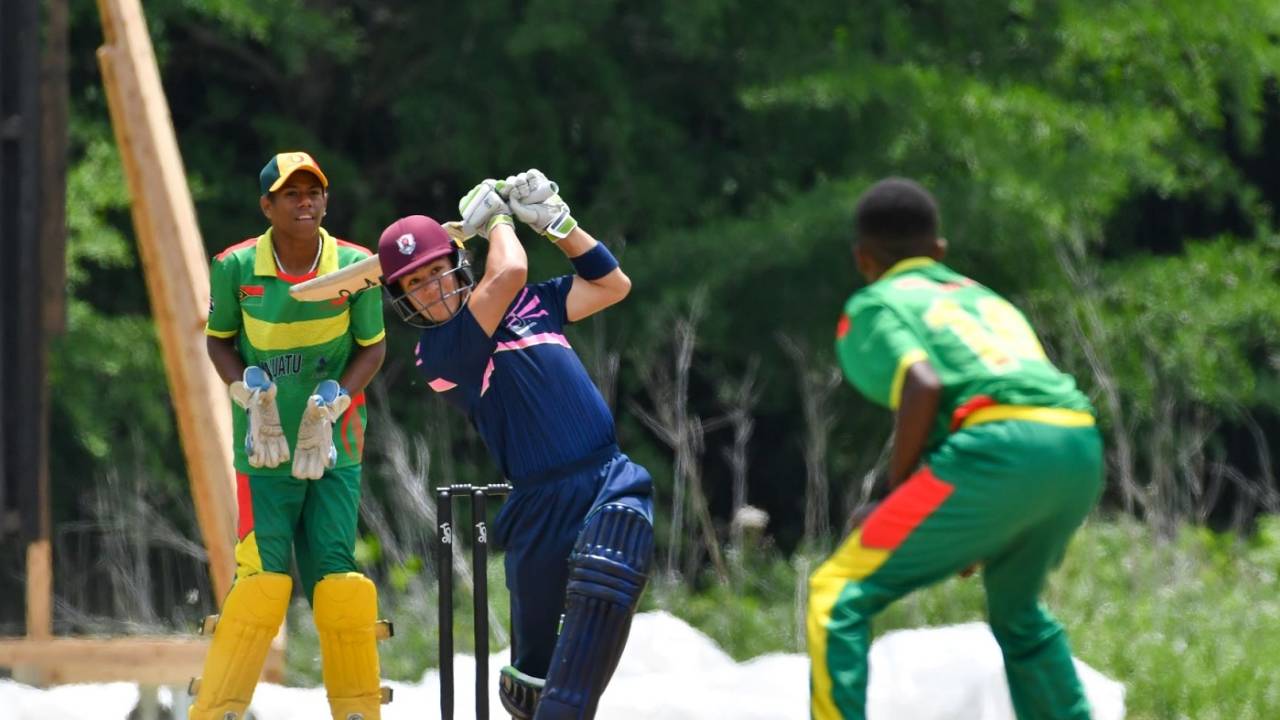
<point>406,244</point>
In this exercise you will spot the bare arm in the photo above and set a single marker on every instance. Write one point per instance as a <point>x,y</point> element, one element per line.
<point>506,269</point>
<point>588,297</point>
<point>225,357</point>
<point>921,393</point>
<point>364,364</point>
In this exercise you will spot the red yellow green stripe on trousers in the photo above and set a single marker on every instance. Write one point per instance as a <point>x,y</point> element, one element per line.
<point>866,550</point>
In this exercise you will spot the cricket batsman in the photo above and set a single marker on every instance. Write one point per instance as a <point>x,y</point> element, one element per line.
<point>296,373</point>
<point>578,526</point>
<point>995,463</point>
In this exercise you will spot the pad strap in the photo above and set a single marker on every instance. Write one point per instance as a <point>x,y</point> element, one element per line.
<point>519,692</point>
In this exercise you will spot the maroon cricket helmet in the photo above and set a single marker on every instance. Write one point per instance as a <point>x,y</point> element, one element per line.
<point>411,242</point>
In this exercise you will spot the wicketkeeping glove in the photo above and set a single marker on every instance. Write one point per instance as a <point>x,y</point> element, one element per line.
<point>314,452</point>
<point>535,201</point>
<point>483,208</point>
<point>264,442</point>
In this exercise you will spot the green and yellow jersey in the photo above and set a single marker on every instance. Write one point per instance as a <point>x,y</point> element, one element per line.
<point>986,355</point>
<point>298,343</point>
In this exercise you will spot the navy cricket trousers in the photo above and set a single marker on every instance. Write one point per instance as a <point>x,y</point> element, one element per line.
<point>538,527</point>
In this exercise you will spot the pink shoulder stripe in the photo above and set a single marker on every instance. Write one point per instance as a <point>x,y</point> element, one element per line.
<point>488,372</point>
<point>442,385</point>
<point>532,304</point>
<point>539,339</point>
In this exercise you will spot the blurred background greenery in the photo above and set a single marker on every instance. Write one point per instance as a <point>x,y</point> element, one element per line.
<point>1111,167</point>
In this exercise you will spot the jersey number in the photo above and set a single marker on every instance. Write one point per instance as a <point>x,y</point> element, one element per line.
<point>998,335</point>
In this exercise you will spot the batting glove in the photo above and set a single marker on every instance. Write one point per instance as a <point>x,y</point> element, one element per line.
<point>483,209</point>
<point>529,187</point>
<point>264,443</point>
<point>535,201</point>
<point>315,452</point>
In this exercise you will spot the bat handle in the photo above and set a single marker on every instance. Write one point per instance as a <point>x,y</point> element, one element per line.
<point>454,228</point>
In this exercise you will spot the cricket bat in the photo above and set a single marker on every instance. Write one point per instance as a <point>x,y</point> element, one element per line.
<point>353,278</point>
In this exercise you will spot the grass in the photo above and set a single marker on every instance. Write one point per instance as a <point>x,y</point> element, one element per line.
<point>1190,625</point>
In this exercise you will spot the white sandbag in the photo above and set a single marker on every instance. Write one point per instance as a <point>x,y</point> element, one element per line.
<point>670,671</point>
<point>111,701</point>
<point>956,673</point>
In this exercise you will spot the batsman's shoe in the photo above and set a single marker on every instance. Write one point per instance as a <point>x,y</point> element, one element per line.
<point>315,451</point>
<point>264,441</point>
<point>346,612</point>
<point>250,617</point>
<point>519,693</point>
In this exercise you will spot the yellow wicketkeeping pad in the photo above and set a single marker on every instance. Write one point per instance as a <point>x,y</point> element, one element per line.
<point>250,617</point>
<point>346,612</point>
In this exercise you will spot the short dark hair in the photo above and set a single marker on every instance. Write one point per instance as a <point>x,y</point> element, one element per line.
<point>896,218</point>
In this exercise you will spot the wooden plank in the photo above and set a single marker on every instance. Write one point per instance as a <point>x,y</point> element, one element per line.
<point>39,590</point>
<point>176,270</point>
<point>146,660</point>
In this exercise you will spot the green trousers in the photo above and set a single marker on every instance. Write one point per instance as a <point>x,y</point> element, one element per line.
<point>1008,495</point>
<point>282,516</point>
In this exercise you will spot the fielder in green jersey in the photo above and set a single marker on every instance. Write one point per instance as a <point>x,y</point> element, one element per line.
<point>298,344</point>
<point>297,373</point>
<point>995,462</point>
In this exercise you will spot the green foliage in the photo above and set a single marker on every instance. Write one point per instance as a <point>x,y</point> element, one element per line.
<point>1209,318</point>
<point>95,191</point>
<point>1188,626</point>
<point>368,551</point>
<point>110,399</point>
<point>752,615</point>
<point>1089,157</point>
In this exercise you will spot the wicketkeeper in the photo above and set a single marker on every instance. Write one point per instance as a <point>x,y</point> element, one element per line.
<point>577,527</point>
<point>297,372</point>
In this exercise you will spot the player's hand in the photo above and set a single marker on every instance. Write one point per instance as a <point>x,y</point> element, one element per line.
<point>535,200</point>
<point>264,442</point>
<point>483,208</point>
<point>314,452</point>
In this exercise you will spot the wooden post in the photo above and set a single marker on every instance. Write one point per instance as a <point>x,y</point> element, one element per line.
<point>176,269</point>
<point>55,111</point>
<point>39,590</point>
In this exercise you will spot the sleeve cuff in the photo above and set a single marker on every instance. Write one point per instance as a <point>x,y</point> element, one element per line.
<point>372,341</point>
<point>900,374</point>
<point>220,333</point>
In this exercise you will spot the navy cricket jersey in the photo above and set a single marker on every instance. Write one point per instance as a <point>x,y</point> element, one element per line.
<point>524,389</point>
